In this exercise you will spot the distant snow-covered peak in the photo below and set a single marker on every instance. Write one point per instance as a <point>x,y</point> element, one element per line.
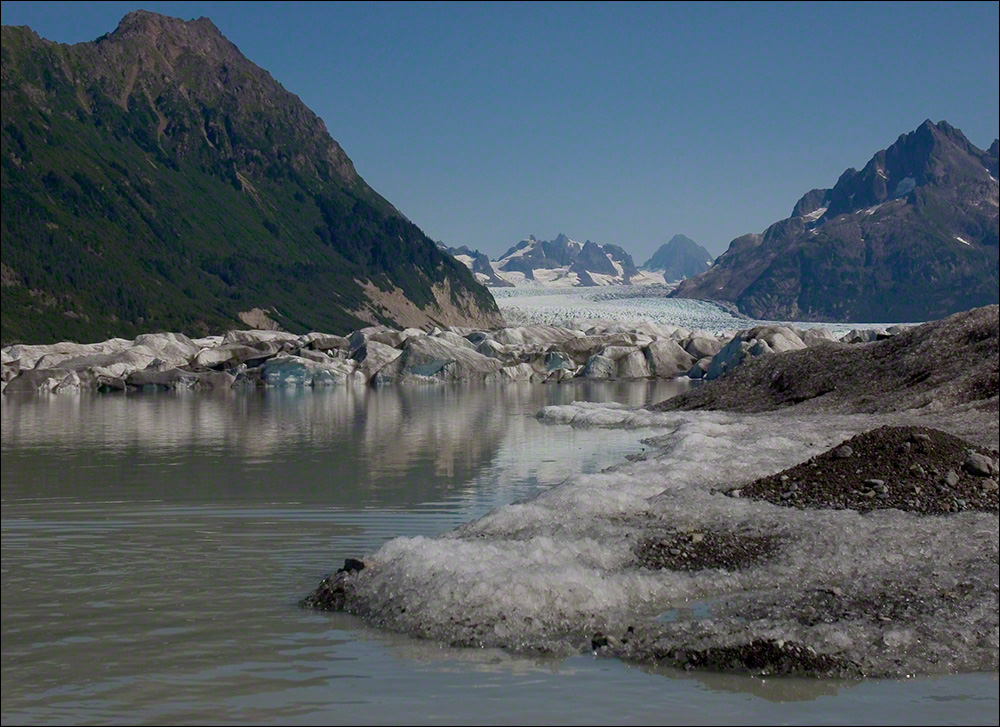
<point>563,262</point>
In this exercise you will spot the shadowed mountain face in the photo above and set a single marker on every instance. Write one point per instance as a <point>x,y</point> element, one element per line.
<point>680,258</point>
<point>157,179</point>
<point>913,236</point>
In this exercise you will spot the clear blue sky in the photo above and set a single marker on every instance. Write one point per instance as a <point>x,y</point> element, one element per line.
<point>619,123</point>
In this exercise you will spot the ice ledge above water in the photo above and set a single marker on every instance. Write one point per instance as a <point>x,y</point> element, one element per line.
<point>890,593</point>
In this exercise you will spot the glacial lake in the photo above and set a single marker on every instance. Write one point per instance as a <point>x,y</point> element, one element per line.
<point>155,546</point>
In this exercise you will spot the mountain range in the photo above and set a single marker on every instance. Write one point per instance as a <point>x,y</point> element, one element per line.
<point>156,179</point>
<point>557,263</point>
<point>913,236</point>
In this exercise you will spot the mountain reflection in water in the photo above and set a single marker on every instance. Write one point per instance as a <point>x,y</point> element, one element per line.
<point>398,445</point>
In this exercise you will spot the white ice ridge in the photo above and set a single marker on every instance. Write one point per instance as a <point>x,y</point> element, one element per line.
<point>592,414</point>
<point>626,304</point>
<point>815,214</point>
<point>546,573</point>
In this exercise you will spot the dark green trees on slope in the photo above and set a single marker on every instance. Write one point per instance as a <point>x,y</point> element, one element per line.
<point>155,179</point>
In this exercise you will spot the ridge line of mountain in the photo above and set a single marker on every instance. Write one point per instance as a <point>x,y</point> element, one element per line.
<point>155,178</point>
<point>912,236</point>
<point>564,262</point>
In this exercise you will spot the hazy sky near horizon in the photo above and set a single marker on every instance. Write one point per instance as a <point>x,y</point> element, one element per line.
<point>620,123</point>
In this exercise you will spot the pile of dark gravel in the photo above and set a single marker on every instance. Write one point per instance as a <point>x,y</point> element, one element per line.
<point>915,469</point>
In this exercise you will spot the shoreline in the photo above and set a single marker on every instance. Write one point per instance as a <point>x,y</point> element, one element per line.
<point>662,559</point>
<point>689,576</point>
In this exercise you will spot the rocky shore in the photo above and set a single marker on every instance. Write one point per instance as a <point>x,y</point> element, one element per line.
<point>938,365</point>
<point>381,356</point>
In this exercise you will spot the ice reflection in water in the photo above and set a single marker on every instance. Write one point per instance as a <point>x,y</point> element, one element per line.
<point>154,547</point>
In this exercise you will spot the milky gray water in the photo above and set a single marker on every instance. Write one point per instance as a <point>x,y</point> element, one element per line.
<point>154,548</point>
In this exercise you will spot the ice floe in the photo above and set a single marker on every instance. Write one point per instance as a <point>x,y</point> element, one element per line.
<point>886,593</point>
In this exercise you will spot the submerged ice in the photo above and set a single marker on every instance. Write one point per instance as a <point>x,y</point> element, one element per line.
<point>835,591</point>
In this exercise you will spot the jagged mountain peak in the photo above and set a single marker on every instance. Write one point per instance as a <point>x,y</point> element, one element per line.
<point>680,239</point>
<point>911,236</point>
<point>148,23</point>
<point>559,262</point>
<point>679,258</point>
<point>932,154</point>
<point>154,41</point>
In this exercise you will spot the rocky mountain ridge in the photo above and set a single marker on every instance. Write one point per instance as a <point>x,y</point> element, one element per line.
<point>479,263</point>
<point>912,236</point>
<point>559,263</point>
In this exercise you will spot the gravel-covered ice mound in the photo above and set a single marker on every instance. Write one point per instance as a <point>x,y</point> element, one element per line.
<point>914,469</point>
<point>597,563</point>
<point>936,366</point>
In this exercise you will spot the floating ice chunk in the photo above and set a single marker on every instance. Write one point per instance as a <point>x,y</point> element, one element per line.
<point>259,336</point>
<point>116,364</point>
<point>42,381</point>
<point>229,355</point>
<point>455,340</point>
<point>599,367</point>
<point>634,365</point>
<point>888,592</point>
<point>29,354</point>
<point>755,342</point>
<point>700,345</point>
<point>173,349</point>
<point>324,342</point>
<point>435,356</point>
<point>518,372</point>
<point>667,359</point>
<point>812,336</point>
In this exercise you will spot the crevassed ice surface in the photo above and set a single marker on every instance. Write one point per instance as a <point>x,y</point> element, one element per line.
<point>544,574</point>
<point>538,305</point>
